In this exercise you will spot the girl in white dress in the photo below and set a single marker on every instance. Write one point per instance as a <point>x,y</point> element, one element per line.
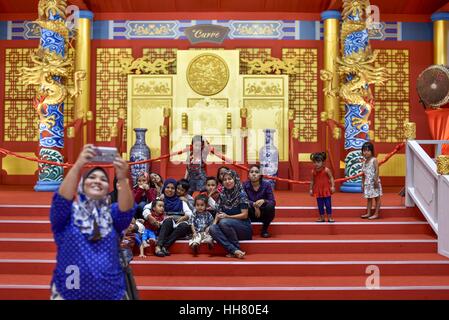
<point>371,187</point>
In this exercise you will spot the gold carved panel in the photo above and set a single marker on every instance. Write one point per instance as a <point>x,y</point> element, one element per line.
<point>207,115</point>
<point>207,100</point>
<point>208,74</point>
<point>266,114</point>
<point>147,113</point>
<point>207,103</point>
<point>263,86</point>
<point>152,86</point>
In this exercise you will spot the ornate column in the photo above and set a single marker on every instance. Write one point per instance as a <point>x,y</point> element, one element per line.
<point>331,20</point>
<point>83,62</point>
<point>51,66</point>
<point>440,37</point>
<point>355,67</point>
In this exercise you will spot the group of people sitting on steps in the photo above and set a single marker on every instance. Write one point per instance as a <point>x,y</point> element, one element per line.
<point>221,211</point>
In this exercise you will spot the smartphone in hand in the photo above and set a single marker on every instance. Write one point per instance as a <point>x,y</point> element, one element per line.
<point>104,154</point>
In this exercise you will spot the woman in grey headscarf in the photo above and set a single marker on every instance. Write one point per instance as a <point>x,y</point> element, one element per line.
<point>231,222</point>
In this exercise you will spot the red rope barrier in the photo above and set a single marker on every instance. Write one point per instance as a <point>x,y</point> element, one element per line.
<point>68,165</point>
<point>213,151</point>
<point>231,162</point>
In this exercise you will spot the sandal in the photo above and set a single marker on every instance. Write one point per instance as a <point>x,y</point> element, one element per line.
<point>239,254</point>
<point>321,219</point>
<point>365,216</point>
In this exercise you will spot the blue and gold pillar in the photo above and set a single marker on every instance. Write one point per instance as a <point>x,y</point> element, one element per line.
<point>83,63</point>
<point>440,37</point>
<point>331,20</point>
<point>356,56</point>
<point>54,37</point>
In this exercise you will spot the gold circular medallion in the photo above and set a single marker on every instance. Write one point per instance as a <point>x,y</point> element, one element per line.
<point>207,74</point>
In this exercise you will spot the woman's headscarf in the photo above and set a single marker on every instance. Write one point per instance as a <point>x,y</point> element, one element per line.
<point>92,217</point>
<point>232,198</point>
<point>172,204</point>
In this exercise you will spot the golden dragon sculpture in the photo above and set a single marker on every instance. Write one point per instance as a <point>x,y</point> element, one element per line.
<point>144,65</point>
<point>356,90</point>
<point>270,65</point>
<point>47,66</point>
<point>356,71</point>
<point>49,8</point>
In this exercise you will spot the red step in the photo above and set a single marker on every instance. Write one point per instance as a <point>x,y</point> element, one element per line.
<point>279,226</point>
<point>184,287</point>
<point>28,210</point>
<point>200,268</point>
<point>363,245</point>
<point>281,211</point>
<point>356,212</point>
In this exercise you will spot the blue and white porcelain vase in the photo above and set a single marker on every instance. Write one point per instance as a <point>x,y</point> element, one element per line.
<point>269,157</point>
<point>139,151</point>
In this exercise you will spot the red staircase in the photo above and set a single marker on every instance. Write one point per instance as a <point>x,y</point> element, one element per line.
<point>303,259</point>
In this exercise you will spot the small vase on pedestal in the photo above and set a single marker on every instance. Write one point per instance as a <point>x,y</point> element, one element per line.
<point>139,151</point>
<point>269,157</point>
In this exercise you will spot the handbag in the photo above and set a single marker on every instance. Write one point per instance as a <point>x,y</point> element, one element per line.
<point>131,288</point>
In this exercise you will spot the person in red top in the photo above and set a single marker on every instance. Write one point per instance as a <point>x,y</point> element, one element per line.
<point>142,193</point>
<point>322,185</point>
<point>154,215</point>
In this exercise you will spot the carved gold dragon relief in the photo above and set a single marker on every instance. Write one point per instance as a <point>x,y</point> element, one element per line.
<point>271,65</point>
<point>48,8</point>
<point>48,65</point>
<point>144,65</point>
<point>356,90</point>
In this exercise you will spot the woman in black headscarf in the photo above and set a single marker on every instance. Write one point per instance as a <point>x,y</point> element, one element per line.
<point>176,224</point>
<point>231,222</point>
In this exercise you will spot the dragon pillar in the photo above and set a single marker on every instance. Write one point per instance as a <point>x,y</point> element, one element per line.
<point>356,74</point>
<point>51,67</point>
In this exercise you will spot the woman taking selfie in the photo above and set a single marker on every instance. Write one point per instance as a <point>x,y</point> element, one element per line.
<point>86,228</point>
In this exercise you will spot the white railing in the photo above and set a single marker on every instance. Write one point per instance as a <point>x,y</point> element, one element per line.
<point>428,190</point>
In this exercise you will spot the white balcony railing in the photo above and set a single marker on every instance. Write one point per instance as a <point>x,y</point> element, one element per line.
<point>428,190</point>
